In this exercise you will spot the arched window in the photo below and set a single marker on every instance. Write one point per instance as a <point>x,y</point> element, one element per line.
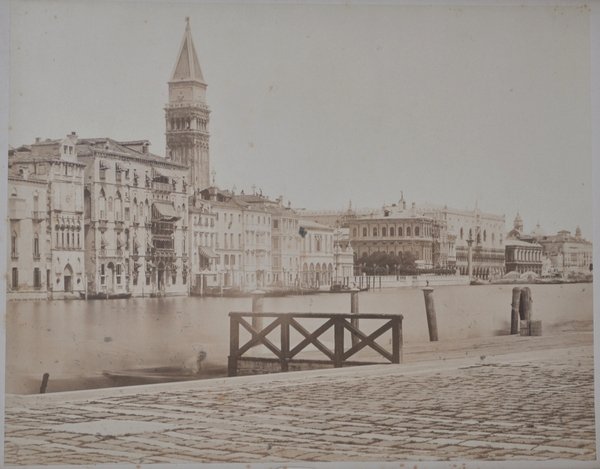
<point>374,231</point>
<point>408,231</point>
<point>354,232</point>
<point>461,233</point>
<point>392,231</point>
<point>102,205</point>
<point>400,231</point>
<point>384,231</point>
<point>36,245</point>
<point>365,232</point>
<point>416,231</point>
<point>13,245</point>
<point>118,207</point>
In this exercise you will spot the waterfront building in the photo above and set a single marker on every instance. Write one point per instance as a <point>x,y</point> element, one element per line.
<point>285,245</point>
<point>568,254</point>
<point>29,256</point>
<point>396,230</point>
<point>229,237</point>
<point>316,253</point>
<point>45,210</point>
<point>559,254</point>
<point>203,230</point>
<point>523,254</point>
<point>136,227</point>
<point>257,243</point>
<point>484,232</point>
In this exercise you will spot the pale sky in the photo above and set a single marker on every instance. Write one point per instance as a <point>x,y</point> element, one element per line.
<point>329,103</point>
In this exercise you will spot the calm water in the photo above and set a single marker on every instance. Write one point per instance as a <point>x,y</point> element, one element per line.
<point>76,340</point>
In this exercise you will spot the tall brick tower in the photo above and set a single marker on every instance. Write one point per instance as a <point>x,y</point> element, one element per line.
<point>187,115</point>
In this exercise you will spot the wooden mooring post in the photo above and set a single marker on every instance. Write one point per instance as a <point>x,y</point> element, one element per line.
<point>44,385</point>
<point>514,311</point>
<point>525,304</point>
<point>430,312</point>
<point>521,314</point>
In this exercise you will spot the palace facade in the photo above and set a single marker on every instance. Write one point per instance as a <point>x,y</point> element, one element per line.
<point>45,211</point>
<point>479,231</point>
<point>396,230</point>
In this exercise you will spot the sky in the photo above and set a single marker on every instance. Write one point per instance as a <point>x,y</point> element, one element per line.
<point>327,104</point>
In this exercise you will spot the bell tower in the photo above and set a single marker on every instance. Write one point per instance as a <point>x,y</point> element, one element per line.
<point>187,115</point>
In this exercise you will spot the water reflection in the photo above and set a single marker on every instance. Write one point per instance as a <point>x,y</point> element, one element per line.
<point>77,339</point>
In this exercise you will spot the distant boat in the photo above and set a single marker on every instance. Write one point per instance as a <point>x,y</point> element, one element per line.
<point>163,374</point>
<point>339,288</point>
<point>478,281</point>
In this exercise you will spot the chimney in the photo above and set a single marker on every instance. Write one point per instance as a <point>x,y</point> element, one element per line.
<point>145,148</point>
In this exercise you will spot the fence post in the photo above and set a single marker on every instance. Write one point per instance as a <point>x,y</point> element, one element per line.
<point>430,312</point>
<point>234,345</point>
<point>514,311</point>
<point>354,310</point>
<point>285,341</point>
<point>338,351</point>
<point>397,340</point>
<point>257,307</point>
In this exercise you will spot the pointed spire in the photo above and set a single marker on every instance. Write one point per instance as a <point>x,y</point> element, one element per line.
<point>187,66</point>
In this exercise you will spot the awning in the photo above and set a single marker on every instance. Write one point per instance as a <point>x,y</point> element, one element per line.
<point>165,210</point>
<point>207,252</point>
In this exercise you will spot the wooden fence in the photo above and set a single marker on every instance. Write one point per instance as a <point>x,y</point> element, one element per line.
<point>284,354</point>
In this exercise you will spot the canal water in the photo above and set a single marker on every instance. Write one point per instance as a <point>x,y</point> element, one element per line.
<point>75,341</point>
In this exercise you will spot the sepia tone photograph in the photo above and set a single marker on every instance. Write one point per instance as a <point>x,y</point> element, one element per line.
<point>293,234</point>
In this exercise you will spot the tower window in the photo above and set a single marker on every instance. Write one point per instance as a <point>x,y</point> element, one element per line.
<point>13,245</point>
<point>15,278</point>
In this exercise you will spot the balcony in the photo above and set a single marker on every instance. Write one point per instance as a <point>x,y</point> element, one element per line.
<point>38,215</point>
<point>162,186</point>
<point>103,225</point>
<point>119,225</point>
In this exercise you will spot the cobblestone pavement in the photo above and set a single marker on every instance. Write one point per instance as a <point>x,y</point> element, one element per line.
<point>535,406</point>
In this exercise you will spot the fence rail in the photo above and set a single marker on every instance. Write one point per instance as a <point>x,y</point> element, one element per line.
<point>286,322</point>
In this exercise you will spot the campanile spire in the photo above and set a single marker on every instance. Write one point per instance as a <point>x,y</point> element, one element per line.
<point>187,115</point>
